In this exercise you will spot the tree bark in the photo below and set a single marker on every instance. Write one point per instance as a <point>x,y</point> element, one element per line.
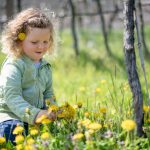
<point>73,28</point>
<point>130,59</point>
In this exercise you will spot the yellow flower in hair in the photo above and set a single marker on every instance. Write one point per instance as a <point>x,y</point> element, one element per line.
<point>21,36</point>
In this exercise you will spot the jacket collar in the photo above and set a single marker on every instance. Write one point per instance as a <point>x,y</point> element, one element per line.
<point>30,61</point>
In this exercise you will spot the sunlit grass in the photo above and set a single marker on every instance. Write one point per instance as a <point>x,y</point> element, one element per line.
<point>99,85</point>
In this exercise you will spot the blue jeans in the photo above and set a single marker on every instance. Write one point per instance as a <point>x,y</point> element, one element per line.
<point>7,127</point>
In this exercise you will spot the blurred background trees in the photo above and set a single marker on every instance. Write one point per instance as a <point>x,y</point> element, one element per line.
<point>75,14</point>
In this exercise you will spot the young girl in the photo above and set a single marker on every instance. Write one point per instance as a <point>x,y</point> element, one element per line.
<point>26,78</point>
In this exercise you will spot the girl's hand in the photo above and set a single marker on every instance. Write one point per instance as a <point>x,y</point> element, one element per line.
<point>52,116</point>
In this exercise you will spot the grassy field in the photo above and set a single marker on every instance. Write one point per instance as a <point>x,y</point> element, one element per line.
<point>98,84</point>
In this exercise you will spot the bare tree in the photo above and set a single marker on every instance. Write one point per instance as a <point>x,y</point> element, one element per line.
<point>130,59</point>
<point>102,19</point>
<point>140,13</point>
<point>9,8</point>
<point>19,8</point>
<point>73,27</point>
<point>112,18</point>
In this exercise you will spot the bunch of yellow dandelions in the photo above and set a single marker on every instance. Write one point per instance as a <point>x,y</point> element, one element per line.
<point>65,111</point>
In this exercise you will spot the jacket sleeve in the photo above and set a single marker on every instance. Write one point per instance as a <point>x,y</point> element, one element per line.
<point>12,78</point>
<point>49,93</point>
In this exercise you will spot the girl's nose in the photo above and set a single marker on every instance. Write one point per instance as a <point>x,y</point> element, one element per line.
<point>41,46</point>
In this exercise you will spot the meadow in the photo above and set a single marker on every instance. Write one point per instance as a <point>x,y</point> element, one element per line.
<point>92,90</point>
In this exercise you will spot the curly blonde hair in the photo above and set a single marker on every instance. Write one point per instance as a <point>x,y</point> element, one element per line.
<point>22,23</point>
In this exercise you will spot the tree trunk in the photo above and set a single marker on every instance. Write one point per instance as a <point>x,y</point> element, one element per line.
<point>130,59</point>
<point>112,18</point>
<point>73,28</point>
<point>99,6</point>
<point>9,8</point>
<point>140,14</point>
<point>19,5</point>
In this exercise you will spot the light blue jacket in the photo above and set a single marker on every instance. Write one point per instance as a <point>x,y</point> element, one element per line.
<point>22,86</point>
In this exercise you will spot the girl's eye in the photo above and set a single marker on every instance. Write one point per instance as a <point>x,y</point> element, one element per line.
<point>34,42</point>
<point>45,42</point>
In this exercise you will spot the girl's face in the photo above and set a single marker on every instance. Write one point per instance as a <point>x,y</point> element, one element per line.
<point>36,43</point>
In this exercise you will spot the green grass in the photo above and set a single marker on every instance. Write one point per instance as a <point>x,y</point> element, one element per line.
<point>87,71</point>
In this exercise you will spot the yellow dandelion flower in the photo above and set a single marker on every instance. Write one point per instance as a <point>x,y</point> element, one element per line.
<point>97,90</point>
<point>2,140</point>
<point>79,104</point>
<point>61,115</point>
<point>102,110</point>
<point>19,139</point>
<point>46,121</point>
<point>19,129</point>
<point>19,147</point>
<point>128,125</point>
<point>66,111</point>
<point>146,109</point>
<point>30,141</point>
<point>78,136</point>
<point>86,114</point>
<point>94,126</point>
<point>29,147</point>
<point>21,36</point>
<point>75,106</point>
<point>45,136</point>
<point>34,132</point>
<point>129,112</point>
<point>85,122</point>
<point>82,89</point>
<point>40,119</point>
<point>103,81</point>
<point>53,108</point>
